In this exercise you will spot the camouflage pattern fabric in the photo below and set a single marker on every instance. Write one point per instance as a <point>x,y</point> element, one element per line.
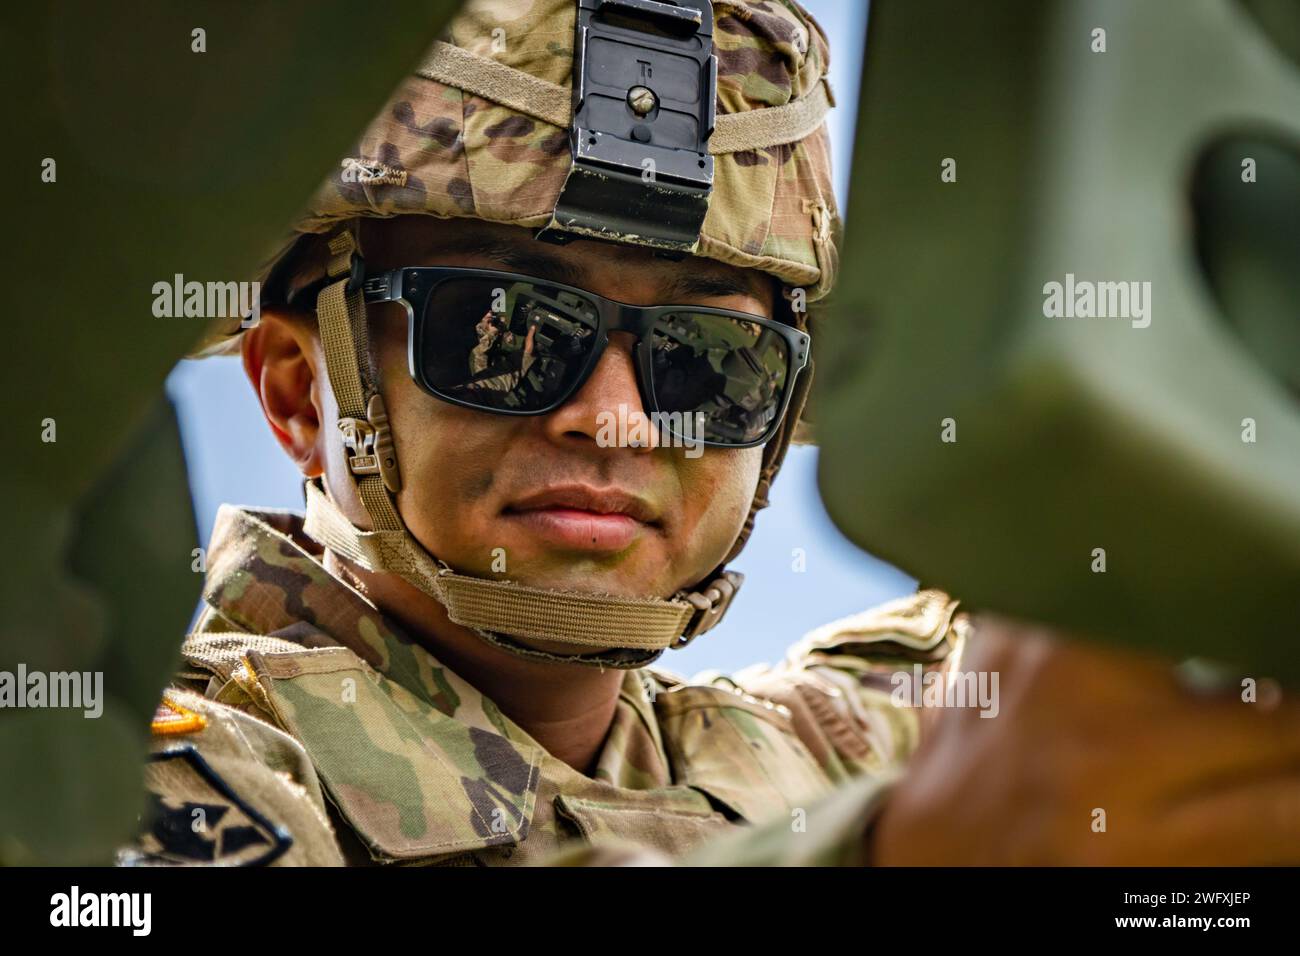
<point>436,150</point>
<point>326,723</point>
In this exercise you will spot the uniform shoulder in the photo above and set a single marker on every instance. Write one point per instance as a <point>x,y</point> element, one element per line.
<point>925,626</point>
<point>837,681</point>
<point>224,787</point>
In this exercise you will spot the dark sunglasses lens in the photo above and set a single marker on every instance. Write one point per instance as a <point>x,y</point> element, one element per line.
<point>728,374</point>
<point>504,344</point>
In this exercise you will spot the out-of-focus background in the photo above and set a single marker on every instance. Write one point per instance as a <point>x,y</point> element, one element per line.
<point>799,570</point>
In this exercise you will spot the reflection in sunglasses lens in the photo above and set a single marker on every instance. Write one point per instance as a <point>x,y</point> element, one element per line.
<point>730,370</point>
<point>505,344</point>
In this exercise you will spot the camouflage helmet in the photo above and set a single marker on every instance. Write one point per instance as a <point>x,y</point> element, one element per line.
<point>444,146</point>
<point>482,129</point>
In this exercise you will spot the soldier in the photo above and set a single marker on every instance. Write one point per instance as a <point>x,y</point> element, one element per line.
<point>447,660</point>
<point>490,330</point>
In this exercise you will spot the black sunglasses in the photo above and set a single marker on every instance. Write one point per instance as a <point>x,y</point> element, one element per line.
<point>518,345</point>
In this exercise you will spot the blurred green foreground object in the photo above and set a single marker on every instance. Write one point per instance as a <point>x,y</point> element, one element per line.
<point>166,159</point>
<point>1007,439</point>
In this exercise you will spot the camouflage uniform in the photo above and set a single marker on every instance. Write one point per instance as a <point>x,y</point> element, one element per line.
<point>354,743</point>
<point>307,728</point>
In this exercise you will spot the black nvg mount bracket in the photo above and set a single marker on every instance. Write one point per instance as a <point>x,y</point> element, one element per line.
<point>644,83</point>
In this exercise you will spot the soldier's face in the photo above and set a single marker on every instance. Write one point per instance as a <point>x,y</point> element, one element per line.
<point>536,498</point>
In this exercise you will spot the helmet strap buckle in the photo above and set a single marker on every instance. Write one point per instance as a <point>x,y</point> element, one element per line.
<point>369,444</point>
<point>710,605</point>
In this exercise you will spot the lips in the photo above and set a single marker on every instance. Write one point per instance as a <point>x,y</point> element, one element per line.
<point>582,518</point>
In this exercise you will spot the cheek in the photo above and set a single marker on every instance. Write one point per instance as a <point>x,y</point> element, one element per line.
<point>718,488</point>
<point>443,500</point>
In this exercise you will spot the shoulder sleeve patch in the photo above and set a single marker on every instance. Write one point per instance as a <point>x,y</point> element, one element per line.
<point>196,817</point>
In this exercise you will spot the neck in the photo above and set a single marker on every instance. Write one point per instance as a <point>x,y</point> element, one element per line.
<point>567,708</point>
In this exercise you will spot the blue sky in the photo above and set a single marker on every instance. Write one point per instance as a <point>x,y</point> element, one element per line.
<point>233,458</point>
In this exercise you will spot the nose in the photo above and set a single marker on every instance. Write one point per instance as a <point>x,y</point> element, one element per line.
<point>593,415</point>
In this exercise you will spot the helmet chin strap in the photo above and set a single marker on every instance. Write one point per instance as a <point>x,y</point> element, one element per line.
<point>604,631</point>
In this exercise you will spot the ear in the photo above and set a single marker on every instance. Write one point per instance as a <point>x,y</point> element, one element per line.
<point>281,359</point>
